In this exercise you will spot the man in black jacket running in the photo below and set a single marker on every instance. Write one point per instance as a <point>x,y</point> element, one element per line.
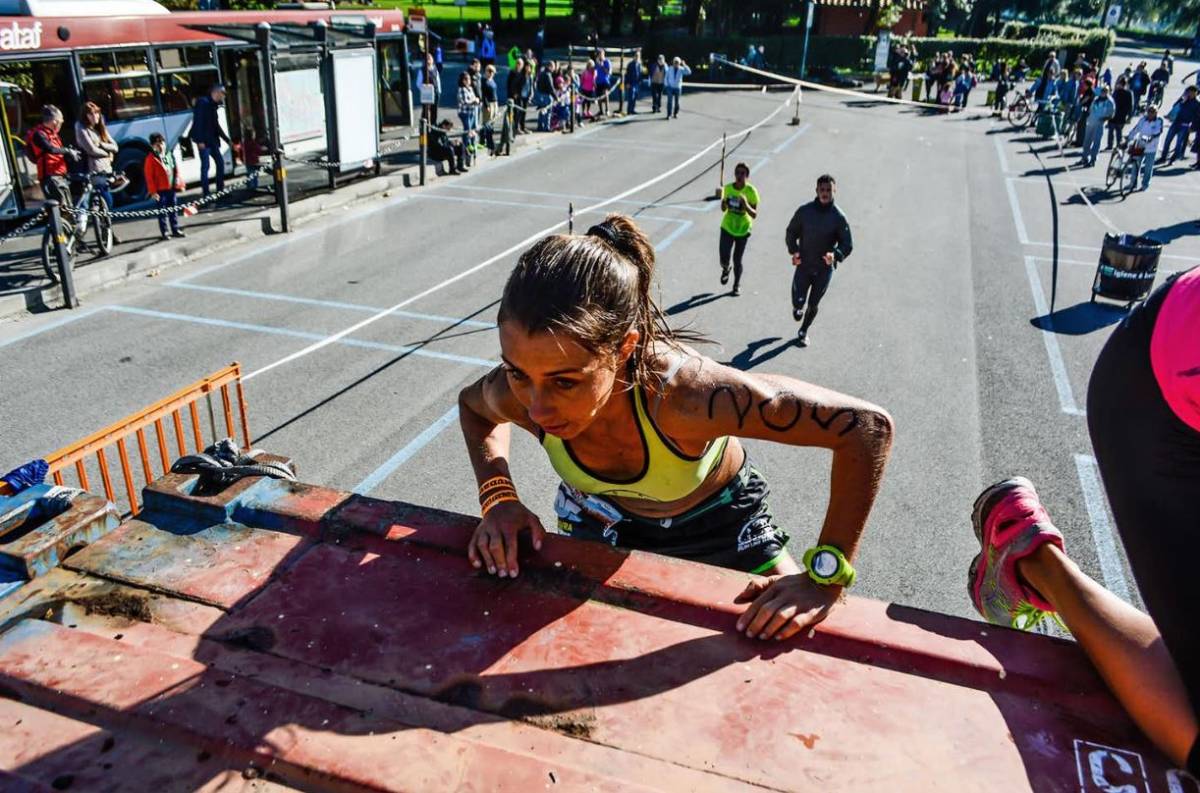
<point>818,237</point>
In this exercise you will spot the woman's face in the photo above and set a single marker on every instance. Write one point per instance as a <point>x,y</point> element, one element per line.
<point>93,118</point>
<point>562,384</point>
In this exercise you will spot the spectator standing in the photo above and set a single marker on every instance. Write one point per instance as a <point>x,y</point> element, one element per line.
<point>587,88</point>
<point>1103,108</point>
<point>490,108</point>
<point>739,203</point>
<point>475,69</point>
<point>603,82</point>
<point>163,183</point>
<point>1004,83</point>
<point>1144,137</point>
<point>1020,71</point>
<point>1123,102</point>
<point>46,149</point>
<point>1068,97</point>
<point>487,47</point>
<point>468,108</point>
<point>1107,77</point>
<point>633,82</point>
<point>515,86</point>
<point>526,97</point>
<point>1184,116</point>
<point>207,135</point>
<point>1051,68</point>
<point>673,84</point>
<point>962,87</point>
<point>658,73</point>
<point>91,135</point>
<point>901,68</point>
<point>543,95</point>
<point>1139,83</point>
<point>818,238</point>
<point>429,90</point>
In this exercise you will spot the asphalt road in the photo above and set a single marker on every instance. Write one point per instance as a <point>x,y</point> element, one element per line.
<point>939,316</point>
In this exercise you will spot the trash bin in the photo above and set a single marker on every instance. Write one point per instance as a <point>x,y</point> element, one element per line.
<point>1049,122</point>
<point>917,84</point>
<point>1128,265</point>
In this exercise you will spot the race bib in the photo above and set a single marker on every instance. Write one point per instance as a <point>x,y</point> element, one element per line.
<point>427,95</point>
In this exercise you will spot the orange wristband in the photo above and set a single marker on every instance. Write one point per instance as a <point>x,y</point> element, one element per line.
<point>499,498</point>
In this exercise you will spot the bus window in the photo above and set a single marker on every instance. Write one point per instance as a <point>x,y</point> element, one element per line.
<point>180,90</point>
<point>184,57</point>
<point>121,98</point>
<point>106,62</point>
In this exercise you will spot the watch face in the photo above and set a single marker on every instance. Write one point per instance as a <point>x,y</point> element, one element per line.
<point>825,564</point>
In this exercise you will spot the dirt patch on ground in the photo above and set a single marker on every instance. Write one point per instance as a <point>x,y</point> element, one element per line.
<point>575,725</point>
<point>118,604</point>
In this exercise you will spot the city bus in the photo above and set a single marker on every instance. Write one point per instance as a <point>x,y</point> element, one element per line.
<point>145,67</point>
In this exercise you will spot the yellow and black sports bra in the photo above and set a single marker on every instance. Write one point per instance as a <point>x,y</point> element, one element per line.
<point>667,474</point>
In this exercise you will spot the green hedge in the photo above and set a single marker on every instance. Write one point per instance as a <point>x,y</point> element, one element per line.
<point>857,52</point>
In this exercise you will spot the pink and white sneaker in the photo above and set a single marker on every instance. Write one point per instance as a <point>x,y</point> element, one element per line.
<point>1010,523</point>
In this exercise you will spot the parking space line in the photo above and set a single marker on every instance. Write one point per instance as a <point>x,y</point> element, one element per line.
<point>1024,177</point>
<point>1111,569</point>
<point>58,323</point>
<point>526,204</point>
<point>308,301</point>
<point>791,139</point>
<point>1058,369</point>
<point>301,334</point>
<point>674,235</point>
<point>1193,259</point>
<point>654,147</point>
<point>401,457</point>
<point>1015,205</point>
<point>1000,154</point>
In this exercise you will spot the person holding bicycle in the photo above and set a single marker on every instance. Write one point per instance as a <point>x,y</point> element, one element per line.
<point>1158,83</point>
<point>1143,145</point>
<point>45,147</point>
<point>99,147</point>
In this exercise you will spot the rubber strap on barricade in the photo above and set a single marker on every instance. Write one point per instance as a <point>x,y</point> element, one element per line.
<point>223,464</point>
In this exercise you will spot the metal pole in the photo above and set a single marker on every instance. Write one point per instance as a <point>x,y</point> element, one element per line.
<point>572,111</point>
<point>65,277</point>
<point>570,218</point>
<point>423,146</point>
<point>721,178</point>
<point>263,34</point>
<point>795,122</point>
<point>807,28</point>
<point>624,88</point>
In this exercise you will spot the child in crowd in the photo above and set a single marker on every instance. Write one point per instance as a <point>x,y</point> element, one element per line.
<point>163,181</point>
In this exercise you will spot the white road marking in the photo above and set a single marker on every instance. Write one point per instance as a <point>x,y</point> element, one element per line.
<point>1058,369</point>
<point>570,196</point>
<point>1111,569</point>
<point>791,138</point>
<point>401,457</point>
<point>1000,154</point>
<point>1015,205</point>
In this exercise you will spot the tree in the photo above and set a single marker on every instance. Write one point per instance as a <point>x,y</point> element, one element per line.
<point>495,8</point>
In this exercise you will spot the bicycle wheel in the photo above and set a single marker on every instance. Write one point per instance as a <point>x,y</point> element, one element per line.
<point>1116,163</point>
<point>1019,115</point>
<point>49,258</point>
<point>103,226</point>
<point>1128,176</point>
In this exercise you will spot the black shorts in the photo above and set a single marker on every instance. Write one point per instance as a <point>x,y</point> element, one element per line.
<point>1150,462</point>
<point>732,528</point>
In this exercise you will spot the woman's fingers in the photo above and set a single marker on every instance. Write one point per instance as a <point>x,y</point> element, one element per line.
<point>496,549</point>
<point>509,558</point>
<point>483,545</point>
<point>472,553</point>
<point>753,589</point>
<point>768,605</point>
<point>537,532</point>
<point>789,630</point>
<point>782,616</point>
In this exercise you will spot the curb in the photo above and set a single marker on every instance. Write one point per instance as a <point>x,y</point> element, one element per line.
<point>121,269</point>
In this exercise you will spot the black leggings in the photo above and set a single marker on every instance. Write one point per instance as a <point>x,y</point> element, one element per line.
<point>808,287</point>
<point>1150,463</point>
<point>737,246</point>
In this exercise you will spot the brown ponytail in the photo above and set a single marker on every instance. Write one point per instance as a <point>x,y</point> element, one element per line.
<point>594,287</point>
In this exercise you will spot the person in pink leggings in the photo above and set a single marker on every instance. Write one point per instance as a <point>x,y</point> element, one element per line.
<point>1144,419</point>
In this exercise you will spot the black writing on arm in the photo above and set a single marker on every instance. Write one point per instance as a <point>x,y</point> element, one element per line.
<point>781,412</point>
<point>740,410</point>
<point>826,423</point>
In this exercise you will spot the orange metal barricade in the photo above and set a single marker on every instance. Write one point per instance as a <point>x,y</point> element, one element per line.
<point>135,426</point>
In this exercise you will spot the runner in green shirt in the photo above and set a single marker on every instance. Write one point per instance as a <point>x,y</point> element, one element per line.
<point>739,202</point>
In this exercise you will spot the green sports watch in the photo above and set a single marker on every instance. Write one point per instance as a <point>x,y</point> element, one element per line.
<point>828,566</point>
